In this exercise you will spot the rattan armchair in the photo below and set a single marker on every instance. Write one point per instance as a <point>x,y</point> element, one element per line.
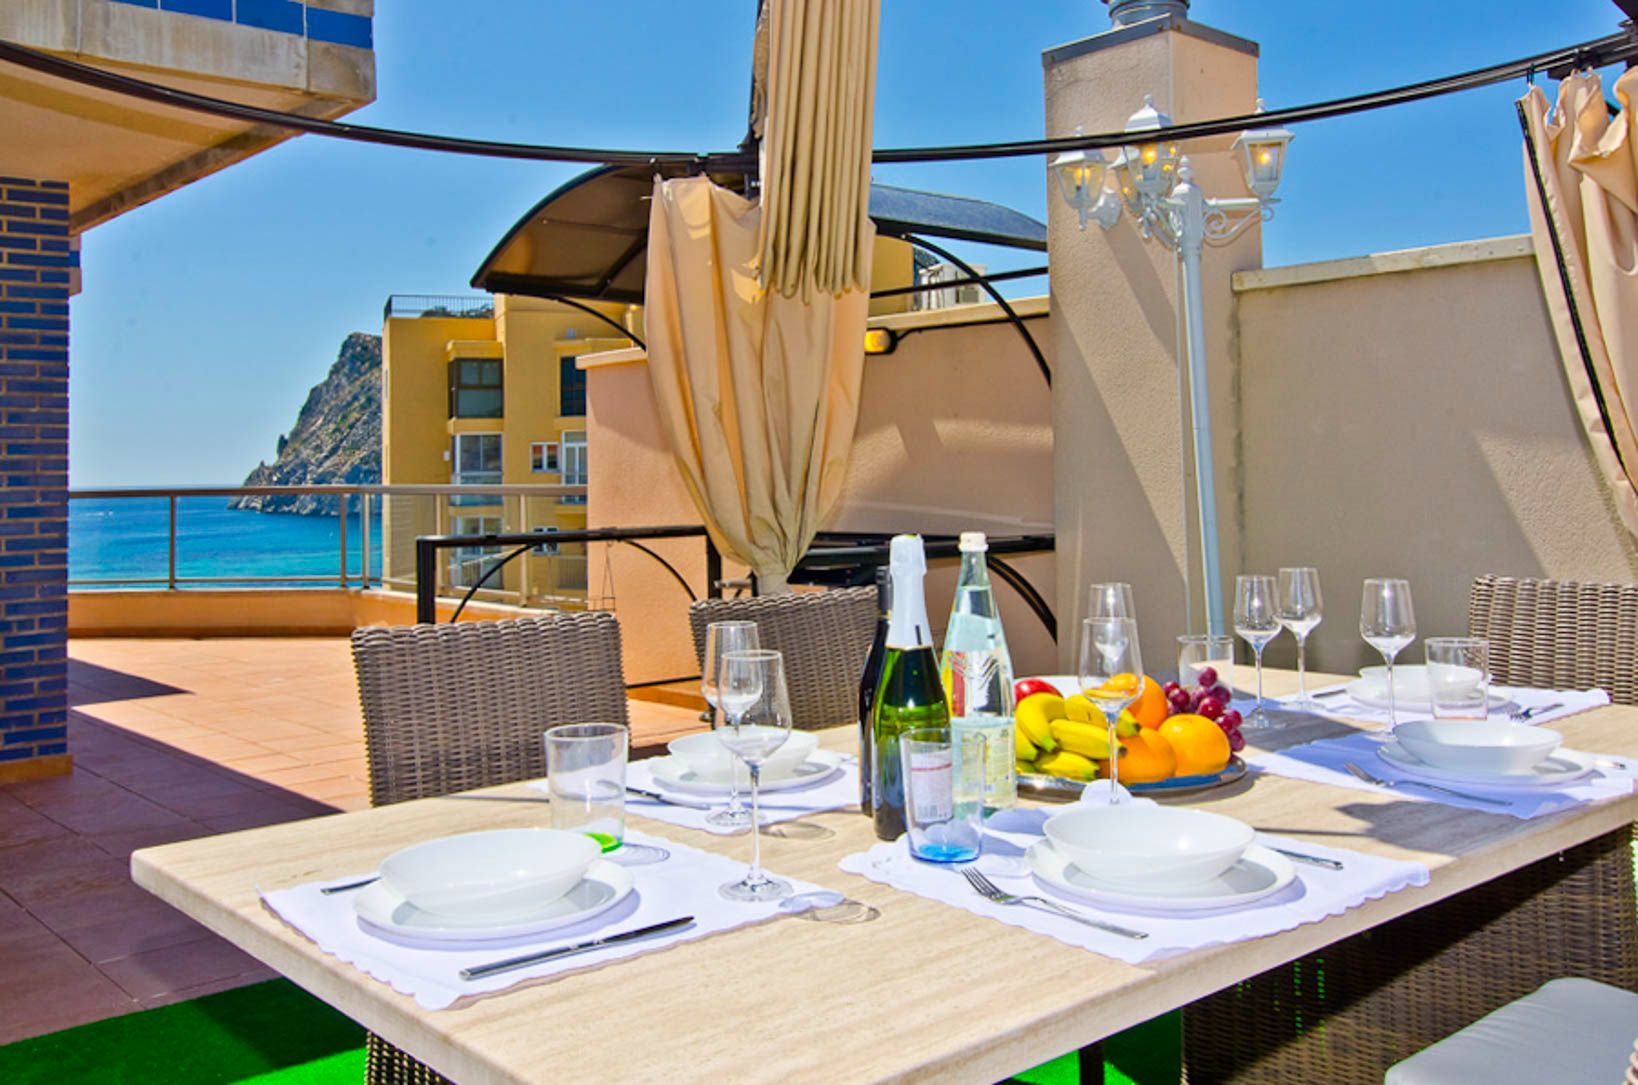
<point>825,636</point>
<point>453,707</point>
<point>1349,1012</point>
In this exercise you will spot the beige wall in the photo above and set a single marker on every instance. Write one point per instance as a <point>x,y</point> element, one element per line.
<point>251,612</point>
<point>954,434</point>
<point>1407,415</point>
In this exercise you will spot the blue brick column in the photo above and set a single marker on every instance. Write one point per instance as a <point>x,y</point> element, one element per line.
<point>36,262</point>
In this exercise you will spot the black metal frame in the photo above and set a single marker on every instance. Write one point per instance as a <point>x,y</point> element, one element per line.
<point>985,282</point>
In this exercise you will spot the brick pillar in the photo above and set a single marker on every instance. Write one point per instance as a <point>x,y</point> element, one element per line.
<point>37,261</point>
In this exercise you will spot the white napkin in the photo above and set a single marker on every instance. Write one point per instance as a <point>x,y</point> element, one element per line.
<point>1315,894</point>
<point>1570,701</point>
<point>1325,761</point>
<point>830,792</point>
<point>686,883</point>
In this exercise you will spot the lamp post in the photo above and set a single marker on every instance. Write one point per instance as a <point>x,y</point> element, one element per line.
<point>1154,182</point>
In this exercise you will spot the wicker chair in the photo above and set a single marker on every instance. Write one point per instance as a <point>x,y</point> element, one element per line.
<point>825,636</point>
<point>1349,1012</point>
<point>453,707</point>
<point>1559,633</point>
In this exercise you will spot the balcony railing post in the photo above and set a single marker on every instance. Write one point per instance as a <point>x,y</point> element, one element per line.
<point>341,515</point>
<point>364,522</point>
<point>171,546</point>
<point>426,581</point>
<point>524,586</point>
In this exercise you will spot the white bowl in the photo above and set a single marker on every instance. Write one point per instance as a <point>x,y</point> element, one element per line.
<point>493,874</point>
<point>711,762</point>
<point>1153,846</point>
<point>1478,746</point>
<point>1411,684</point>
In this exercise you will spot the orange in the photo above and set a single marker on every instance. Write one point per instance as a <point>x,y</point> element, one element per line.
<point>1199,744</point>
<point>1120,685</point>
<point>1146,757</point>
<point>1150,708</point>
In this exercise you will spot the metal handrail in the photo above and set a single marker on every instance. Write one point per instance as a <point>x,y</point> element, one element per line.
<point>480,306</point>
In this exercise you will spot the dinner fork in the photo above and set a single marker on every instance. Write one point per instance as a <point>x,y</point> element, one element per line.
<point>992,892</point>
<point>1519,715</point>
<point>1379,782</point>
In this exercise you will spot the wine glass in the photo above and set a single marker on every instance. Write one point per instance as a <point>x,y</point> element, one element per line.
<point>1111,599</point>
<point>1255,622</point>
<point>1387,621</point>
<point>1111,677</point>
<point>753,696</point>
<point>1299,608</point>
<point>720,639</point>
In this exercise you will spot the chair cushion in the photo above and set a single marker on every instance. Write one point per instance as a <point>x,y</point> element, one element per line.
<point>1566,1031</point>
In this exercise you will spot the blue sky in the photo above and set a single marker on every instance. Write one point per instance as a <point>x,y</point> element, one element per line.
<point>207,315</point>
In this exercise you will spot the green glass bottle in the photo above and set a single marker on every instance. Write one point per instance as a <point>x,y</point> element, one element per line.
<point>911,693</point>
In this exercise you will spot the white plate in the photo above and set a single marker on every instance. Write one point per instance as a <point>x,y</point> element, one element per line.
<point>1563,767</point>
<point>604,886</point>
<point>1067,684</point>
<point>1259,873</point>
<point>1371,695</point>
<point>820,768</point>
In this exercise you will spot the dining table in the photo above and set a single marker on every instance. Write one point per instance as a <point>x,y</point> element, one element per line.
<point>908,989</point>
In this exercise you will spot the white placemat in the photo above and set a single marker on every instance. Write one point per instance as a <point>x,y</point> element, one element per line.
<point>1315,894</point>
<point>684,884</point>
<point>1340,706</point>
<point>1325,761</point>
<point>834,792</point>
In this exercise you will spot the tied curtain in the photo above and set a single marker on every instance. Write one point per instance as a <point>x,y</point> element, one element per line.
<point>755,311</point>
<point>1581,171</point>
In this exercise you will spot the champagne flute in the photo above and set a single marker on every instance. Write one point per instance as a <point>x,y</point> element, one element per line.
<point>1111,677</point>
<point>1387,621</point>
<point>1110,599</point>
<point>720,639</point>
<point>1299,609</point>
<point>754,699</point>
<point>1255,622</point>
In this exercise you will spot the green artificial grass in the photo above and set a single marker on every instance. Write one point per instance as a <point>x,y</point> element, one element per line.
<point>1149,1054</point>
<point>269,1033</point>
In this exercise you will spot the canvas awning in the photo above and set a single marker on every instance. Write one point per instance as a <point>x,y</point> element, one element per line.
<point>589,238</point>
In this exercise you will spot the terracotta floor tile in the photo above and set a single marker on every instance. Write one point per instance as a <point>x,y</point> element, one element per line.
<point>144,926</point>
<point>257,975</point>
<point>152,972</point>
<point>22,824</point>
<point>50,987</point>
<point>256,766</point>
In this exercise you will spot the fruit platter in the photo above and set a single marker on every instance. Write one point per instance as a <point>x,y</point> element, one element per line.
<point>1172,740</point>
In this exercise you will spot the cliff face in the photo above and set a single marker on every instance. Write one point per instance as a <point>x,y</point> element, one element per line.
<point>336,438</point>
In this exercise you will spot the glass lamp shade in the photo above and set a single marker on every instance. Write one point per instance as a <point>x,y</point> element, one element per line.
<point>1080,177</point>
<point>1149,167</point>
<point>1262,157</point>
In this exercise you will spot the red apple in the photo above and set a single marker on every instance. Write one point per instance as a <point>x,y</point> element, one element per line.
<point>1026,687</point>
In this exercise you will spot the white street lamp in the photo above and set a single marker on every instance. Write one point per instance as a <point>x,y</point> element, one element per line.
<point>1155,183</point>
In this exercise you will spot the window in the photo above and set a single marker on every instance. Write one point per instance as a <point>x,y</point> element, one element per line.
<point>571,388</point>
<point>467,564</point>
<point>477,459</point>
<point>574,463</point>
<point>475,388</point>
<point>543,456</point>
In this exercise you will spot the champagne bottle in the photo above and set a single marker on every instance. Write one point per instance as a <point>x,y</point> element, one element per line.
<point>867,691</point>
<point>910,695</point>
<point>977,670</point>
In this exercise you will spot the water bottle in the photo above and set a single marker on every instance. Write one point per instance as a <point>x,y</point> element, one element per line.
<point>977,672</point>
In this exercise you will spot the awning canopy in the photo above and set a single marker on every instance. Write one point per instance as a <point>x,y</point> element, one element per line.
<point>589,238</point>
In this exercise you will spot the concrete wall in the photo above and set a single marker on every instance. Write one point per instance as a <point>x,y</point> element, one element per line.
<point>253,612</point>
<point>1407,415</point>
<point>954,434</point>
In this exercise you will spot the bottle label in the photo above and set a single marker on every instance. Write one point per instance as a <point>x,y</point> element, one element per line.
<point>931,787</point>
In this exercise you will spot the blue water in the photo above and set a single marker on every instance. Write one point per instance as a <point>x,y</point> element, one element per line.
<point>126,539</point>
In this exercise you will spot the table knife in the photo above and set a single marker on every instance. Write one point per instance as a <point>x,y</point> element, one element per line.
<point>1312,860</point>
<point>655,796</point>
<point>495,967</point>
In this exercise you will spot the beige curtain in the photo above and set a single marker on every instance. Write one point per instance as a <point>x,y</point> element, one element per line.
<point>758,392</point>
<point>820,92</point>
<point>1582,180</point>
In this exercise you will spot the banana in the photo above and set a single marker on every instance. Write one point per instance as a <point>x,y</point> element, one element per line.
<point>1126,725</point>
<point>1069,765</point>
<point>1023,748</point>
<point>1081,709</point>
<point>1024,768</point>
<point>1086,739</point>
<point>1032,719</point>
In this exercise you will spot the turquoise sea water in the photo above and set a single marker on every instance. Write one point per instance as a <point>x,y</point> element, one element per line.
<point>125,538</point>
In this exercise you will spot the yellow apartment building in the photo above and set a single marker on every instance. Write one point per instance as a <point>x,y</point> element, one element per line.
<point>485,393</point>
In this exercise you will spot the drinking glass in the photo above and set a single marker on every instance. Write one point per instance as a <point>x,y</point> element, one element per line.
<point>1387,621</point>
<point>586,778</point>
<point>1111,676</point>
<point>1458,677</point>
<point>721,638</point>
<point>1199,651</point>
<point>943,810</point>
<point>1299,608</point>
<point>1111,599</point>
<point>753,697</point>
<point>1256,623</point>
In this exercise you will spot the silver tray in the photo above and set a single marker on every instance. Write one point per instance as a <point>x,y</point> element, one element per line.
<point>1061,789</point>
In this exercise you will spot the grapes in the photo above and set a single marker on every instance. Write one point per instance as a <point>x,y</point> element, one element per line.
<point>1211,707</point>
<point>1179,699</point>
<point>1222,693</point>
<point>1207,677</point>
<point>1230,720</point>
<point>1237,741</point>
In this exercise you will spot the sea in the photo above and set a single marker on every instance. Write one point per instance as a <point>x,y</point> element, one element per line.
<point>126,540</point>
